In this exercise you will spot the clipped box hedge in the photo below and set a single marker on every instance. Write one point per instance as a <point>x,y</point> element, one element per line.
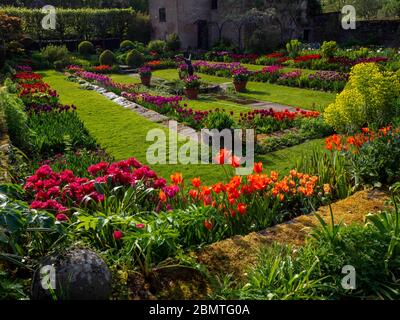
<point>85,23</point>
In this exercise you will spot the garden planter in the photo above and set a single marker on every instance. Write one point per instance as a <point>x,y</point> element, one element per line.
<point>240,86</point>
<point>146,81</point>
<point>192,94</point>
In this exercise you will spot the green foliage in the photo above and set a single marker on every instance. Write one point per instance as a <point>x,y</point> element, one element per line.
<point>219,120</point>
<point>328,49</point>
<point>388,224</point>
<point>173,42</point>
<point>278,276</point>
<point>10,85</point>
<point>57,132</point>
<point>2,56</point>
<point>126,45</point>
<point>3,124</point>
<point>85,48</point>
<point>293,48</point>
<point>77,161</point>
<point>60,65</point>
<point>331,169</point>
<point>24,233</point>
<point>157,46</point>
<point>377,162</point>
<point>369,99</point>
<point>328,232</point>
<point>53,53</point>
<point>16,120</point>
<point>135,59</point>
<point>85,23</point>
<point>107,58</point>
<point>10,289</point>
<point>314,271</point>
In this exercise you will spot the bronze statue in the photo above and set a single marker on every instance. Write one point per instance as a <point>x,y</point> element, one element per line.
<point>188,62</point>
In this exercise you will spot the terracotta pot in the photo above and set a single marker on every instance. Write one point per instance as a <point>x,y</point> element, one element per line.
<point>146,81</point>
<point>240,86</point>
<point>192,93</point>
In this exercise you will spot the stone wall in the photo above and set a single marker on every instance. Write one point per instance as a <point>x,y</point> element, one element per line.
<point>377,32</point>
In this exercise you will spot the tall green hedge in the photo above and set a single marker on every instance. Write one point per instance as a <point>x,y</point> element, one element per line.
<point>85,23</point>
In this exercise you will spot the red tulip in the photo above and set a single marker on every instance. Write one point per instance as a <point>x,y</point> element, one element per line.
<point>118,235</point>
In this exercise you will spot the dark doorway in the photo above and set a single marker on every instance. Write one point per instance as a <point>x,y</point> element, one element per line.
<point>306,35</point>
<point>202,35</point>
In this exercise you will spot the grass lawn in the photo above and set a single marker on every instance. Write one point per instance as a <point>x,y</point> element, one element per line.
<point>123,133</point>
<point>125,78</point>
<point>172,74</point>
<point>284,160</point>
<point>296,97</point>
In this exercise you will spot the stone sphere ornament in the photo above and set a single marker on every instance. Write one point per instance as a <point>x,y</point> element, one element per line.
<point>78,274</point>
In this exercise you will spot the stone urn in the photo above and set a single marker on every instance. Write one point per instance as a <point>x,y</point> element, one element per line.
<point>77,274</point>
<point>146,80</point>
<point>240,86</point>
<point>192,93</point>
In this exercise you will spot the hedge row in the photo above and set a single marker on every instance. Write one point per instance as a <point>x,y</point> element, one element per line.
<point>85,23</point>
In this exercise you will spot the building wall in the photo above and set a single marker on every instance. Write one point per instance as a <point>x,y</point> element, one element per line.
<point>379,32</point>
<point>160,30</point>
<point>182,16</point>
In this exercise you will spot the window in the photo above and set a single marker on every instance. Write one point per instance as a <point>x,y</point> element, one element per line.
<point>162,15</point>
<point>214,4</point>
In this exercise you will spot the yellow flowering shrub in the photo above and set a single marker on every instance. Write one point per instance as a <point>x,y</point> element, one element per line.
<point>369,99</point>
<point>347,113</point>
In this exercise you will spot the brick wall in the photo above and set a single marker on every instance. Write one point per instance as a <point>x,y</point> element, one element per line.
<point>378,32</point>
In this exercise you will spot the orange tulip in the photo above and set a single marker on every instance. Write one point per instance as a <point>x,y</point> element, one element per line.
<point>208,225</point>
<point>274,176</point>
<point>177,178</point>
<point>222,155</point>
<point>242,208</point>
<point>196,182</point>
<point>193,194</point>
<point>258,167</point>
<point>234,161</point>
<point>163,196</point>
<point>327,188</point>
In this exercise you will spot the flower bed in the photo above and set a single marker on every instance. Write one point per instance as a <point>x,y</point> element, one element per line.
<point>321,80</point>
<point>102,80</point>
<point>36,95</point>
<point>56,192</point>
<point>268,121</point>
